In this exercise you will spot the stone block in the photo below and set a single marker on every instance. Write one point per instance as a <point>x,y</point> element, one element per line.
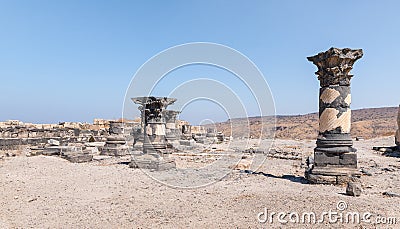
<point>346,179</point>
<point>78,158</point>
<point>187,142</point>
<point>152,162</point>
<point>324,159</point>
<point>320,179</point>
<point>53,142</point>
<point>348,160</point>
<point>353,189</point>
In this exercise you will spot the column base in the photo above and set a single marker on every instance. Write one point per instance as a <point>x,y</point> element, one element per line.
<point>153,146</point>
<point>152,162</point>
<point>332,175</point>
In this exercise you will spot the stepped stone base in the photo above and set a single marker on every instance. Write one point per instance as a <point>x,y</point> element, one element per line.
<point>332,175</point>
<point>152,162</point>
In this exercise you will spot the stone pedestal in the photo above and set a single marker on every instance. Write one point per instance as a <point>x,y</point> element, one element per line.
<point>186,132</point>
<point>335,159</point>
<point>115,146</point>
<point>172,132</point>
<point>116,128</point>
<point>220,137</point>
<point>152,161</point>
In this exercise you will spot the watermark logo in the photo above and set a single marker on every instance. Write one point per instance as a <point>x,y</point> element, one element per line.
<point>340,215</point>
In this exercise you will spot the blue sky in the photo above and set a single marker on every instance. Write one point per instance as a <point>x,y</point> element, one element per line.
<point>74,60</point>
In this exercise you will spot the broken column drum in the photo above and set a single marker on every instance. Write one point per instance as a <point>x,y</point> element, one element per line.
<point>153,121</point>
<point>172,132</point>
<point>334,157</point>
<point>397,138</point>
<point>116,127</point>
<point>116,142</point>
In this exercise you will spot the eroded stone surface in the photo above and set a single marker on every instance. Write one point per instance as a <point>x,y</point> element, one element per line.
<point>329,95</point>
<point>330,119</point>
<point>353,189</point>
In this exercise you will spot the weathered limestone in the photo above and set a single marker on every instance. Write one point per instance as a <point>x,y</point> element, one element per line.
<point>199,134</point>
<point>211,133</point>
<point>186,132</point>
<point>353,189</point>
<point>397,138</point>
<point>334,156</point>
<point>220,137</point>
<point>172,131</point>
<point>116,142</point>
<point>115,146</point>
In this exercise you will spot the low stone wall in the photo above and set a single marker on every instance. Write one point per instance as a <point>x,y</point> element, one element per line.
<point>18,143</point>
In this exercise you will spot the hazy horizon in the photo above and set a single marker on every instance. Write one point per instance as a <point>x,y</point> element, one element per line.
<point>186,120</point>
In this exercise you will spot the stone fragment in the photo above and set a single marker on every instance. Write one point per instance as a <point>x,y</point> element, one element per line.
<point>78,158</point>
<point>320,179</point>
<point>366,172</point>
<point>391,194</point>
<point>353,189</point>
<point>53,142</point>
<point>190,142</point>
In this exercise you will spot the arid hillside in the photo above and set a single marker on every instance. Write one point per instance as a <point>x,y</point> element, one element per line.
<point>366,123</point>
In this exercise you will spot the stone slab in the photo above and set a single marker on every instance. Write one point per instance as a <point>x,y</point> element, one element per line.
<point>324,159</point>
<point>348,159</point>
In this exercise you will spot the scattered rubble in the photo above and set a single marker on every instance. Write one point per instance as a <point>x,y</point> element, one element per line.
<point>353,189</point>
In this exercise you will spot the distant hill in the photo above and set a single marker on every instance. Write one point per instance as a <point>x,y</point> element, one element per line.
<point>366,123</point>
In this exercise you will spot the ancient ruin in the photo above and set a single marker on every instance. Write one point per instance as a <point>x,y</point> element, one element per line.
<point>153,112</point>
<point>153,121</point>
<point>116,142</point>
<point>334,157</point>
<point>172,130</point>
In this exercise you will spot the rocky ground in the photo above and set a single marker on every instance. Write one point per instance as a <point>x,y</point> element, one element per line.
<point>49,192</point>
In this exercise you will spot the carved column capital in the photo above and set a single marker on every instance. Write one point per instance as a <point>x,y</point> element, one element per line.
<point>334,65</point>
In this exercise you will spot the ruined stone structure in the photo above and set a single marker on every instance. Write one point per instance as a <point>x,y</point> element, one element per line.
<point>116,142</point>
<point>115,146</point>
<point>153,121</point>
<point>186,132</point>
<point>15,135</point>
<point>153,155</point>
<point>172,131</point>
<point>397,138</point>
<point>335,160</point>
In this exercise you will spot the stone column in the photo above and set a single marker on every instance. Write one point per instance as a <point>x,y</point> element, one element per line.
<point>397,138</point>
<point>186,132</point>
<point>116,142</point>
<point>172,132</point>
<point>153,121</point>
<point>335,159</point>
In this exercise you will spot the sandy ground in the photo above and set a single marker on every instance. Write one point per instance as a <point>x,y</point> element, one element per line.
<point>50,192</point>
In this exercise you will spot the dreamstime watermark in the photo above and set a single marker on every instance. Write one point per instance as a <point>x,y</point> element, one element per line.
<point>340,215</point>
